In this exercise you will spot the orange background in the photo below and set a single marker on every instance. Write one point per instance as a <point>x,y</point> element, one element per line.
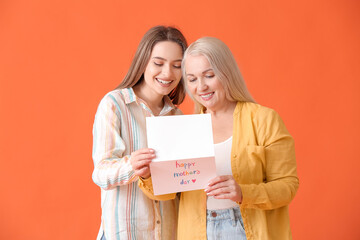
<point>58,59</point>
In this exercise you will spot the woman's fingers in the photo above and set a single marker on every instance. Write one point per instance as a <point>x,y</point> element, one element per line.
<point>143,172</point>
<point>143,157</point>
<point>217,185</point>
<point>144,151</point>
<point>140,161</point>
<point>224,187</point>
<point>141,167</point>
<point>213,183</point>
<point>218,189</point>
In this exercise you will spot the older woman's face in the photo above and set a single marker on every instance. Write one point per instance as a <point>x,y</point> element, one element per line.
<point>203,84</point>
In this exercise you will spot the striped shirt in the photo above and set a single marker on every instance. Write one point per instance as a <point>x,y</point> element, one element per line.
<point>118,130</point>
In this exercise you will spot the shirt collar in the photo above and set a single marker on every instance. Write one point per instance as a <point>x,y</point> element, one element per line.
<point>130,97</point>
<point>168,106</point>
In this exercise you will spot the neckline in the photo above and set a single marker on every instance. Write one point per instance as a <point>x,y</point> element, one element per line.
<point>223,141</point>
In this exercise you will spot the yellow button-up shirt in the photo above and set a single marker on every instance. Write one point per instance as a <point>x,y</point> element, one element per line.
<point>263,164</point>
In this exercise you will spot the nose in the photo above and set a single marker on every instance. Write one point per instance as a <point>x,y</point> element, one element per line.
<point>202,84</point>
<point>167,71</point>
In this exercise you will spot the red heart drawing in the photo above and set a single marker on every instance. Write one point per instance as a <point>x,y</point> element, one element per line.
<point>193,180</point>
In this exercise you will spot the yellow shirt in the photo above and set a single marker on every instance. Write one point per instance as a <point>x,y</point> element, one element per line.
<point>263,164</point>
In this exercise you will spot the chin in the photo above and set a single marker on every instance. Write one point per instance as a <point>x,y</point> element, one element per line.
<point>206,104</point>
<point>164,92</point>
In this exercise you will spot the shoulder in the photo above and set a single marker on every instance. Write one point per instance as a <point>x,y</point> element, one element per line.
<point>113,101</point>
<point>259,116</point>
<point>114,97</point>
<point>254,110</point>
<point>266,122</point>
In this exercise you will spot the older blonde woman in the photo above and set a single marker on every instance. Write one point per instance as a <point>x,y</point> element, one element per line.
<point>254,155</point>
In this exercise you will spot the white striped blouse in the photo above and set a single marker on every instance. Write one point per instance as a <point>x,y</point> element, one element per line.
<point>118,130</point>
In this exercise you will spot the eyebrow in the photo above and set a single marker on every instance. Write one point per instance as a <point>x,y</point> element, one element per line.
<point>207,70</point>
<point>160,58</point>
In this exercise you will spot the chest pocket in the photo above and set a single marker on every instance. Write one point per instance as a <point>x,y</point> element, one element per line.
<point>256,163</point>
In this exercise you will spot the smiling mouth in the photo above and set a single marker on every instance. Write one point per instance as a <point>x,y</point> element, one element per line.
<point>207,96</point>
<point>163,82</point>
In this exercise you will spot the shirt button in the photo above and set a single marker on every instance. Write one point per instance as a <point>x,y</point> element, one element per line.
<point>158,221</point>
<point>213,214</point>
<point>234,156</point>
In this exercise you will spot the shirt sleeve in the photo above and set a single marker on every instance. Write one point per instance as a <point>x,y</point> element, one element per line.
<point>281,181</point>
<point>146,186</point>
<point>112,167</point>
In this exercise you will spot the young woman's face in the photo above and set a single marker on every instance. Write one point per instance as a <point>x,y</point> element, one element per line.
<point>203,84</point>
<point>163,71</point>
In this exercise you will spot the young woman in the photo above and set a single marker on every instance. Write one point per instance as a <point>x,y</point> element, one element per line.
<point>152,87</point>
<point>254,156</point>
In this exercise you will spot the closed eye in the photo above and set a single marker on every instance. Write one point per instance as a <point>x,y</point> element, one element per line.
<point>158,64</point>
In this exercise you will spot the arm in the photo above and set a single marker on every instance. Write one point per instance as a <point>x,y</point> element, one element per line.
<point>146,186</point>
<point>281,181</point>
<point>112,167</point>
<point>278,155</point>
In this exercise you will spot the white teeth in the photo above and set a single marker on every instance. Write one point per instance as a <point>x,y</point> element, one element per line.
<point>207,95</point>
<point>163,82</point>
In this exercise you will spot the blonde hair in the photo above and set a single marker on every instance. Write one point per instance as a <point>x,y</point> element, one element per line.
<point>136,70</point>
<point>225,68</point>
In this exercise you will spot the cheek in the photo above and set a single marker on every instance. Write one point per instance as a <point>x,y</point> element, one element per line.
<point>147,73</point>
<point>150,71</point>
<point>192,89</point>
<point>177,74</point>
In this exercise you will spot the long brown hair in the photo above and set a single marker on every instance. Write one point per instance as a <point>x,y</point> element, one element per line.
<point>136,71</point>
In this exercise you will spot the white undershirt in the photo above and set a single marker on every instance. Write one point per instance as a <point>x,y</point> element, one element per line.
<point>223,167</point>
